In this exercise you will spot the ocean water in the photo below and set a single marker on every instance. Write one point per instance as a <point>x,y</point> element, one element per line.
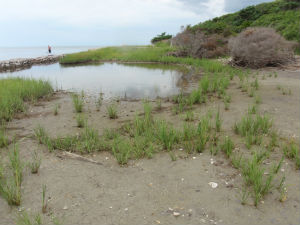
<point>32,52</point>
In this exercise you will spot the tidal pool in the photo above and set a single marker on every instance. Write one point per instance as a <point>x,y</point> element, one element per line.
<point>133,81</point>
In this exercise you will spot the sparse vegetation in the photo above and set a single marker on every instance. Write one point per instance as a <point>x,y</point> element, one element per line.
<point>81,120</point>
<point>292,151</point>
<point>112,111</point>
<point>78,102</point>
<point>35,164</point>
<point>25,218</point>
<point>44,199</point>
<point>55,110</point>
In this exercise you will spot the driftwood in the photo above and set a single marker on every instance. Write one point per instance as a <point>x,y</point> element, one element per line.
<point>71,155</point>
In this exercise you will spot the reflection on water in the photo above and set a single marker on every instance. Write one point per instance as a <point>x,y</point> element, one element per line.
<point>135,81</point>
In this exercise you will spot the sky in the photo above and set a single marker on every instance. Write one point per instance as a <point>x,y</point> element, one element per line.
<point>27,23</point>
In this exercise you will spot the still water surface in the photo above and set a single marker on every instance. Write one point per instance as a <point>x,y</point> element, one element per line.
<point>133,81</point>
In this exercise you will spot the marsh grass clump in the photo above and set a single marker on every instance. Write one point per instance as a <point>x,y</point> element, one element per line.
<point>173,156</point>
<point>99,101</point>
<point>254,178</point>
<point>10,183</point>
<point>277,167</point>
<point>257,99</point>
<point>24,218</point>
<point>252,109</point>
<point>245,195</point>
<point>189,132</point>
<point>251,92</point>
<point>3,138</point>
<point>237,160</point>
<point>203,133</point>
<point>81,120</point>
<point>112,111</point>
<point>121,149</point>
<point>55,110</point>
<point>35,164</point>
<point>42,137</point>
<point>252,139</point>
<point>166,134</point>
<point>274,142</point>
<point>227,100</point>
<point>218,121</point>
<point>291,151</point>
<point>111,134</point>
<point>189,116</point>
<point>227,146</point>
<point>255,84</point>
<point>158,104</point>
<point>44,199</point>
<point>253,125</point>
<point>87,141</point>
<point>78,102</point>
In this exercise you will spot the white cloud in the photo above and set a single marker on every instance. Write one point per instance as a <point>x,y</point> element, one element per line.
<point>28,22</point>
<point>108,12</point>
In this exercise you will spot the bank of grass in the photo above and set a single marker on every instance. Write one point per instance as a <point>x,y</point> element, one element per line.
<point>14,92</point>
<point>155,54</point>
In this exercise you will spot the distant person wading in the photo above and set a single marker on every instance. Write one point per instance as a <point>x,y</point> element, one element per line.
<point>49,49</point>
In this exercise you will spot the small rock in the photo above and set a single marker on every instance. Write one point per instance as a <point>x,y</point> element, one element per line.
<point>126,209</point>
<point>176,214</point>
<point>194,157</point>
<point>65,207</point>
<point>213,184</point>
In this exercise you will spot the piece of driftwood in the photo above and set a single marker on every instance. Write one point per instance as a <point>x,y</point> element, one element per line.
<point>71,155</point>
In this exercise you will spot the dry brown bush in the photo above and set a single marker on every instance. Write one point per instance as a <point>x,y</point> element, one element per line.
<point>199,45</point>
<point>258,47</point>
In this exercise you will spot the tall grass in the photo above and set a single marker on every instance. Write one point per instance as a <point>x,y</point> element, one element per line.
<point>78,102</point>
<point>292,151</point>
<point>112,111</point>
<point>10,183</point>
<point>14,92</point>
<point>253,176</point>
<point>3,138</point>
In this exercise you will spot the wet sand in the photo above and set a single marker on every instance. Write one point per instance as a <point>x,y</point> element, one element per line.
<point>149,191</point>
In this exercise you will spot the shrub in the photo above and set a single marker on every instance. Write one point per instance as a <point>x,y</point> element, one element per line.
<point>199,45</point>
<point>259,47</point>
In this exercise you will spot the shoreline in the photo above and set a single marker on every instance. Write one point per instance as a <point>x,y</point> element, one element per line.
<point>25,63</point>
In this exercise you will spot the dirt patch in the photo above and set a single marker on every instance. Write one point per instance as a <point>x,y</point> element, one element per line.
<point>158,190</point>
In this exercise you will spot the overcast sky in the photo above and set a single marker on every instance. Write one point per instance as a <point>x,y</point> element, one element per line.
<point>103,22</point>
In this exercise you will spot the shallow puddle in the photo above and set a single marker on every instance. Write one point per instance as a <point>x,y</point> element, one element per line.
<point>133,81</point>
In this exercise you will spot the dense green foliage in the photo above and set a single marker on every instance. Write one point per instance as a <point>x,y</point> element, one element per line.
<point>161,37</point>
<point>15,91</point>
<point>282,15</point>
